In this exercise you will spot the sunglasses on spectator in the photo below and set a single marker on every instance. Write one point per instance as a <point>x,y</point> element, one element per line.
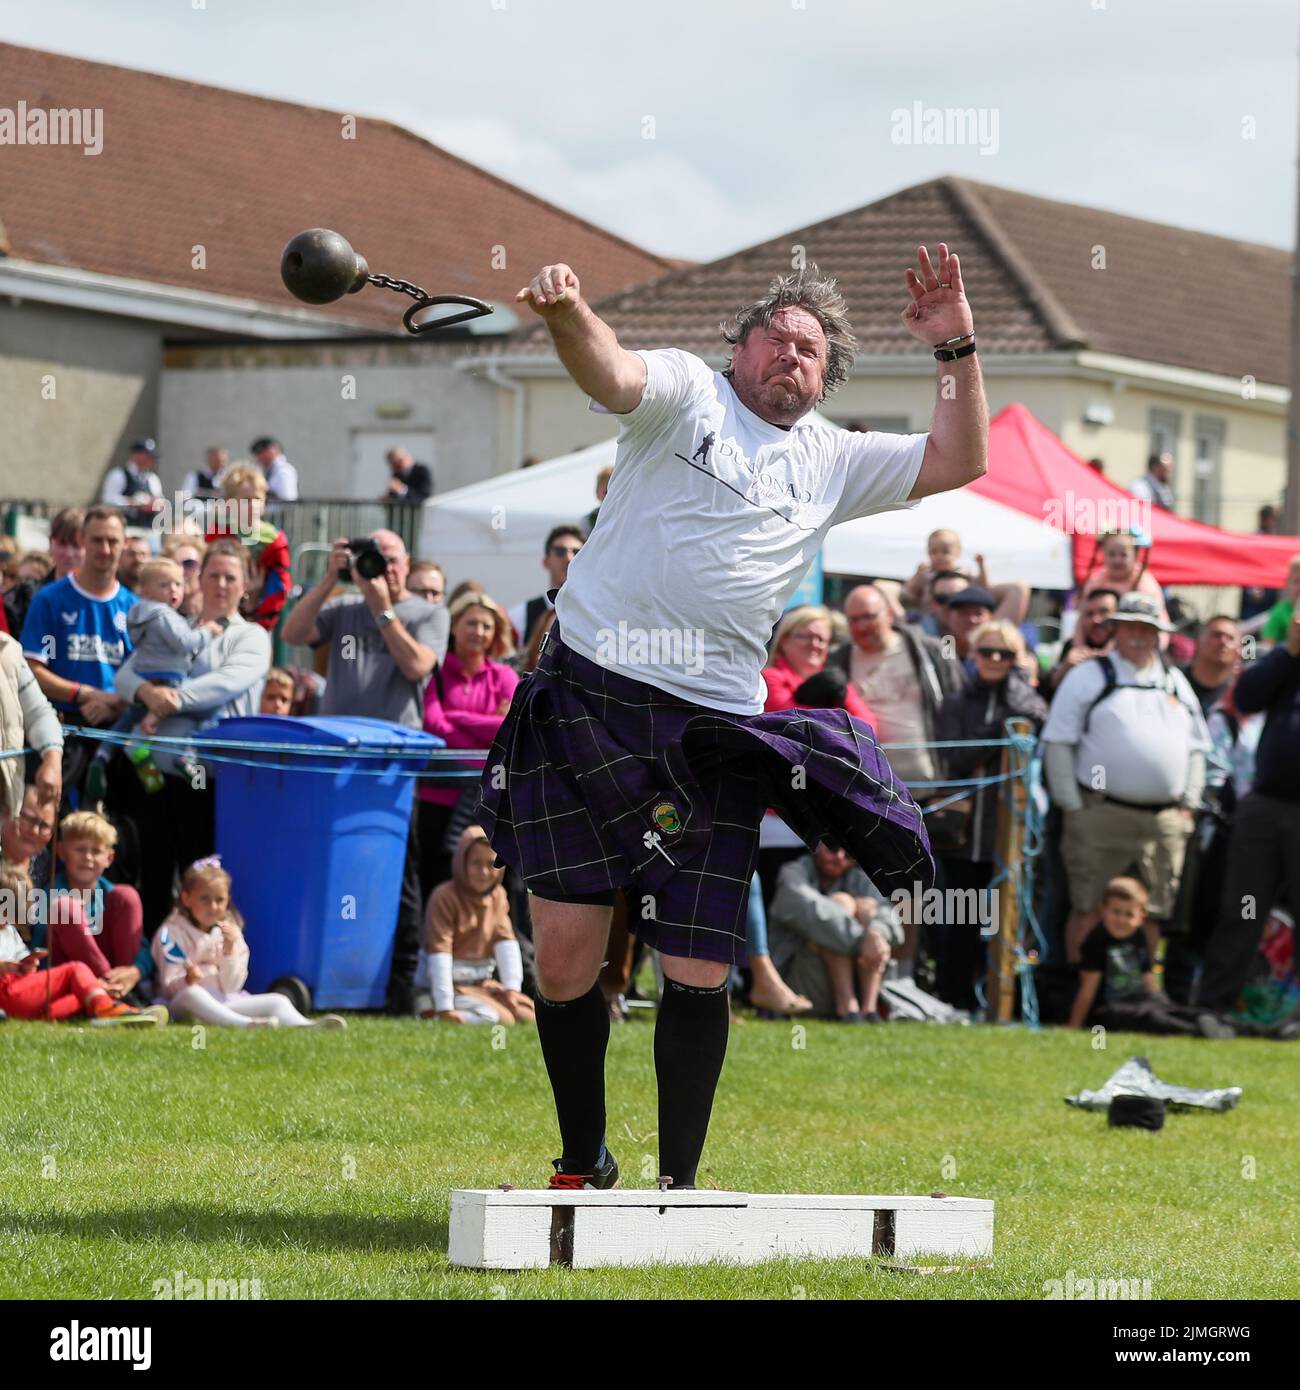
<point>430,594</point>
<point>809,638</point>
<point>996,653</point>
<point>569,550</point>
<point>189,564</point>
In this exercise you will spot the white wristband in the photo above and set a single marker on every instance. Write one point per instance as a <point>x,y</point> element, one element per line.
<point>510,964</point>
<point>444,995</point>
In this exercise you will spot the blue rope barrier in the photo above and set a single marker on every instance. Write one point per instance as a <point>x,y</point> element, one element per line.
<point>1026,763</point>
<point>225,751</point>
<point>168,742</point>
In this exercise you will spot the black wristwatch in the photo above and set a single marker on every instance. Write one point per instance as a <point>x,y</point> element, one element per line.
<point>951,354</point>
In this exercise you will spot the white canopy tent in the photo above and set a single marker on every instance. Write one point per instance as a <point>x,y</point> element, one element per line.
<point>494,531</point>
<point>890,545</point>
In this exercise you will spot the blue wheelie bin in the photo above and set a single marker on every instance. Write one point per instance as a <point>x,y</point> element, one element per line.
<point>315,844</point>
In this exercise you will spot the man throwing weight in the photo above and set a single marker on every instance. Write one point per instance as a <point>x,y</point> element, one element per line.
<point>637,756</point>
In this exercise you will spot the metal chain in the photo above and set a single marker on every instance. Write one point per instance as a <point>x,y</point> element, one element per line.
<point>387,282</point>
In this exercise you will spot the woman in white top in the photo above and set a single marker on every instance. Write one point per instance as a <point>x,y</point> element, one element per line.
<point>176,824</point>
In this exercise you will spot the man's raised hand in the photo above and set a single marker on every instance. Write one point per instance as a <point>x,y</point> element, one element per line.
<point>938,309</point>
<point>553,292</point>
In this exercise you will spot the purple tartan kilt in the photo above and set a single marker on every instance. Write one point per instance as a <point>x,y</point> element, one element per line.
<point>597,782</point>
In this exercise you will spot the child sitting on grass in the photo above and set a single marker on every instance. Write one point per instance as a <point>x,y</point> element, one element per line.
<point>202,960</point>
<point>1117,985</point>
<point>99,923</point>
<point>28,991</point>
<point>468,939</point>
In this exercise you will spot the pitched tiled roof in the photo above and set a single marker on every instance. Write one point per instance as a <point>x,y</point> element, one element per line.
<point>1166,294</point>
<point>185,164</point>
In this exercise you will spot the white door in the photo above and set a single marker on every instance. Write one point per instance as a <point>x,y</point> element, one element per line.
<point>370,447</point>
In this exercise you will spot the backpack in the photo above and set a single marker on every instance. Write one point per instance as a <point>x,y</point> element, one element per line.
<point>1112,683</point>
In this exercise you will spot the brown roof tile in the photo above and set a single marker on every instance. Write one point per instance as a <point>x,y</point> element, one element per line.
<point>1167,294</point>
<point>185,164</point>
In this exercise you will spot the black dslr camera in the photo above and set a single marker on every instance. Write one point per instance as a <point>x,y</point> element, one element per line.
<point>368,560</point>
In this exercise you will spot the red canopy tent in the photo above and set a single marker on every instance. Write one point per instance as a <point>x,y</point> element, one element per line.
<point>1033,472</point>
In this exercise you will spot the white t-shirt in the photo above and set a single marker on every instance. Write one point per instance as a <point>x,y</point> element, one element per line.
<point>711,520</point>
<point>1139,742</point>
<point>12,946</point>
<point>282,480</point>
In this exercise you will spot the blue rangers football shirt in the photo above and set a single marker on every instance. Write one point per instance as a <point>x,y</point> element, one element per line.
<point>77,635</point>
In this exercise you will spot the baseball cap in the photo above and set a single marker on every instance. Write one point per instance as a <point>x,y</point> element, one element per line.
<point>1136,607</point>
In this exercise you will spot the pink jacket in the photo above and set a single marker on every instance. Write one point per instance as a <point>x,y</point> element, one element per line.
<point>465,716</point>
<point>178,940</point>
<point>783,680</point>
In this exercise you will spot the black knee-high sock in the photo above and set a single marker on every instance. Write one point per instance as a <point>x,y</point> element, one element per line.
<point>690,1044</point>
<point>574,1034</point>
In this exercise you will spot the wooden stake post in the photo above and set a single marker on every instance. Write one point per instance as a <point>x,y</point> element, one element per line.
<point>1013,796</point>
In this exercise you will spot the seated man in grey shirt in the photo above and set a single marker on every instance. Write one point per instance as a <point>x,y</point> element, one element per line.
<point>384,643</point>
<point>829,928</point>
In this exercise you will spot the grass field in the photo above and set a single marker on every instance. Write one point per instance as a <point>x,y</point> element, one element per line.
<point>320,1163</point>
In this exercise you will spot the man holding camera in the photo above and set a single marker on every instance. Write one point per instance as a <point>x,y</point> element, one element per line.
<point>384,643</point>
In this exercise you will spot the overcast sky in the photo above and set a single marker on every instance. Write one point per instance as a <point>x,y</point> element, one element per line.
<point>766,115</point>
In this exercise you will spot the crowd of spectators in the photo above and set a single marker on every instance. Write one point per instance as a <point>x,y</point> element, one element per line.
<point>1170,757</point>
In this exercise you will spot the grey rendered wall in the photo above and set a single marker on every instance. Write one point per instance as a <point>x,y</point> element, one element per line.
<point>314,409</point>
<point>103,373</point>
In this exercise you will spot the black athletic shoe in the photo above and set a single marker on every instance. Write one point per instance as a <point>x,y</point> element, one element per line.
<point>601,1180</point>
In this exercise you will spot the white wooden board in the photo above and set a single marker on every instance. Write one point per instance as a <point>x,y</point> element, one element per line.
<point>531,1228</point>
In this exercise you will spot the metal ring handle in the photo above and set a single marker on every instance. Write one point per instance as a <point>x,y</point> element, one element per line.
<point>476,309</point>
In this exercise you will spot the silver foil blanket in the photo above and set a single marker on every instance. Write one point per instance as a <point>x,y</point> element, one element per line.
<point>1135,1078</point>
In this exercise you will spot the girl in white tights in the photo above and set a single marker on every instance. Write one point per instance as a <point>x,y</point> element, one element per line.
<point>202,961</point>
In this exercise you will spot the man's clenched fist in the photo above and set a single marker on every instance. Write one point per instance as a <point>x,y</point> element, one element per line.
<point>553,291</point>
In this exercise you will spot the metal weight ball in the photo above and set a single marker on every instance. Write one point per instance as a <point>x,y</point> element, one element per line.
<point>320,266</point>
